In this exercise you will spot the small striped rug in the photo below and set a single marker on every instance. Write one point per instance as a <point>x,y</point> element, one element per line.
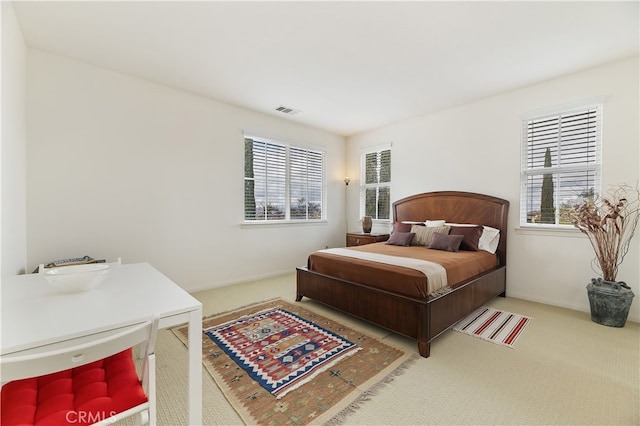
<point>500,327</point>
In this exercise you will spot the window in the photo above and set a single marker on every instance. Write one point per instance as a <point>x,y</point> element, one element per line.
<point>561,162</point>
<point>282,182</point>
<point>375,187</point>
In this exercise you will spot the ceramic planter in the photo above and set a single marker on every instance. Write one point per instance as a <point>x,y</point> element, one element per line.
<point>609,302</point>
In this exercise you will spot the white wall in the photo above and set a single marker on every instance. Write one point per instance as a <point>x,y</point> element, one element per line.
<point>120,166</point>
<point>476,147</point>
<point>13,148</point>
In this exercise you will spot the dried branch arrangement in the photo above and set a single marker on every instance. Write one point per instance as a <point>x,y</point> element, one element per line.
<point>610,223</point>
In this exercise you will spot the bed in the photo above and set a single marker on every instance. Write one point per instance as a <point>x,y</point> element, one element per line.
<point>397,297</point>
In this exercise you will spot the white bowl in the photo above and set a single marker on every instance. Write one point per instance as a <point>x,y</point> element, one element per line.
<point>76,278</point>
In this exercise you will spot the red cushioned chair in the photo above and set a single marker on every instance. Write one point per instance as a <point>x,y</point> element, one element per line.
<point>96,381</point>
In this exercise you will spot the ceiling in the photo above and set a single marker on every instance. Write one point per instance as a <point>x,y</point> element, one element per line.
<point>347,66</point>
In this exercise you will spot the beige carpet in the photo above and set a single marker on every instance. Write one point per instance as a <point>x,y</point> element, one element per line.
<point>335,387</point>
<point>565,370</point>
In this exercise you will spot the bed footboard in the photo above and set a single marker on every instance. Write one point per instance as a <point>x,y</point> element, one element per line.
<point>417,319</point>
<point>402,315</point>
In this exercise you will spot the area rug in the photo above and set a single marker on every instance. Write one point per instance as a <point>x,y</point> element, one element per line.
<point>327,395</point>
<point>279,349</point>
<point>493,325</point>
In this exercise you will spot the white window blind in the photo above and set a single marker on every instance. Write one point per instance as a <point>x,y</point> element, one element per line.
<point>282,182</point>
<point>561,163</point>
<point>306,182</point>
<point>375,187</point>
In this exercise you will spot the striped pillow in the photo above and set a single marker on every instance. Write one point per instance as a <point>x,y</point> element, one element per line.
<point>424,234</point>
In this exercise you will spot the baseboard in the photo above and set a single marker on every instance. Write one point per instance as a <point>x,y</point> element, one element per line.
<point>242,279</point>
<point>258,277</point>
<point>580,308</point>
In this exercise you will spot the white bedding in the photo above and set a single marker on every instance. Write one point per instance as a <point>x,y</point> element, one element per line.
<point>435,273</point>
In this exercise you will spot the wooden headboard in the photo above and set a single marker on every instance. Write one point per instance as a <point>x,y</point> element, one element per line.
<point>457,207</point>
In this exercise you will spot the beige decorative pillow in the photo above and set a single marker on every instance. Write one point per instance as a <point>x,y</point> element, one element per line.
<point>424,234</point>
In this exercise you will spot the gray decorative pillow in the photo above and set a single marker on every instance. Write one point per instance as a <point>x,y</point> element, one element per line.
<point>446,242</point>
<point>401,227</point>
<point>400,239</point>
<point>424,234</point>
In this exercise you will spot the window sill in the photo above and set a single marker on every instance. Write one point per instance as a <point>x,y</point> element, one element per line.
<point>284,223</point>
<point>550,231</point>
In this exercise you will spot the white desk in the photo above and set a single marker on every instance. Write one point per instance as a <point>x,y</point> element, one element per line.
<point>34,315</point>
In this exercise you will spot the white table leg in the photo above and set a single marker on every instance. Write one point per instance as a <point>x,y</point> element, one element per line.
<point>195,367</point>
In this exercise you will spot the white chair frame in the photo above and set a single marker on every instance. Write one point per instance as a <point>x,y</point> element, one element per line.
<point>39,363</point>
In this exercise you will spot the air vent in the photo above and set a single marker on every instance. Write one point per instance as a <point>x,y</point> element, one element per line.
<point>287,110</point>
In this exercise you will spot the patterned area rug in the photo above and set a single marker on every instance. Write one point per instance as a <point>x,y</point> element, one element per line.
<point>279,349</point>
<point>500,327</point>
<point>331,393</point>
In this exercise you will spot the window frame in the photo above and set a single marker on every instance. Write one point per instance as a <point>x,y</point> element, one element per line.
<point>364,186</point>
<point>288,147</point>
<point>593,169</point>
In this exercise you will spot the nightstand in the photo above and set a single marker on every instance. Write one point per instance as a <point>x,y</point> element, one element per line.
<point>360,238</point>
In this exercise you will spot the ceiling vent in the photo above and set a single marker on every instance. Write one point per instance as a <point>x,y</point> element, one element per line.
<point>287,110</point>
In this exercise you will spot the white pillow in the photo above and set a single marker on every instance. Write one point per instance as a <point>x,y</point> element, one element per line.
<point>488,240</point>
<point>434,223</point>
